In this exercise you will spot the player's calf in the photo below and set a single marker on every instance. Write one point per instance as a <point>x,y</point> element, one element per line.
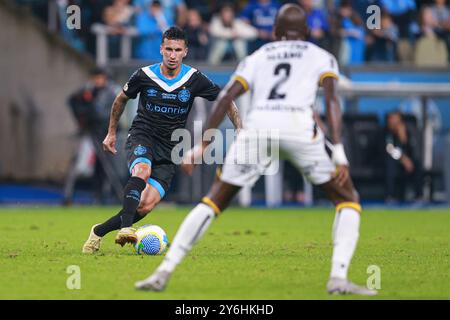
<point>132,198</point>
<point>149,199</point>
<point>133,191</point>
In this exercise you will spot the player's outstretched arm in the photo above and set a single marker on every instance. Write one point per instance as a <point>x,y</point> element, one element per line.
<point>334,117</point>
<point>333,109</point>
<point>224,105</point>
<point>109,144</point>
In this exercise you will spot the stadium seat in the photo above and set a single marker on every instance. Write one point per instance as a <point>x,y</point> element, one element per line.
<point>363,138</point>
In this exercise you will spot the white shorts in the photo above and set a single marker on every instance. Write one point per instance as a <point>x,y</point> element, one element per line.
<point>245,162</point>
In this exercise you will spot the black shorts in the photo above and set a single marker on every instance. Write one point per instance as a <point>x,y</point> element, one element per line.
<point>144,150</point>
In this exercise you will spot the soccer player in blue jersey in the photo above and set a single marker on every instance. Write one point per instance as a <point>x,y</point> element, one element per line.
<point>167,91</point>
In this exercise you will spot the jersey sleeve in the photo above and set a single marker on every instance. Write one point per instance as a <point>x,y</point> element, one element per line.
<point>245,72</point>
<point>133,86</point>
<point>206,88</point>
<point>328,67</point>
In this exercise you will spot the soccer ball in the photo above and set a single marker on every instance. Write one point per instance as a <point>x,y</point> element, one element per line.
<point>152,240</point>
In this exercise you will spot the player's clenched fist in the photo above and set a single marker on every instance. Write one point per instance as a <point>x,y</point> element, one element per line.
<point>109,144</point>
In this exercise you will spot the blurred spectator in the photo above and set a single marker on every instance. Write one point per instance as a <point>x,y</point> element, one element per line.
<point>428,22</point>
<point>150,24</point>
<point>91,13</point>
<point>92,103</point>
<point>431,50</point>
<point>174,11</point>
<point>317,21</point>
<point>197,36</point>
<point>90,107</point>
<point>383,41</point>
<point>117,16</point>
<point>403,13</point>
<point>204,7</point>
<point>441,13</point>
<point>261,15</point>
<point>401,26</point>
<point>351,31</point>
<point>402,167</point>
<point>229,31</point>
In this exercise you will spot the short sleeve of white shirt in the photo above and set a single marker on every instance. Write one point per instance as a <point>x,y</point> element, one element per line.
<point>328,67</point>
<point>245,72</point>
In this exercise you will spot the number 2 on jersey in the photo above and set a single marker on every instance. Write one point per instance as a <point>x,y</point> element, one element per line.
<point>274,94</point>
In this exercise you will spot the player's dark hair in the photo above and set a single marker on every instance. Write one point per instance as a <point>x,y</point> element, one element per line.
<point>175,33</point>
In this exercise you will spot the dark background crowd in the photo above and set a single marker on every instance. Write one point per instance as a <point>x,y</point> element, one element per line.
<point>386,153</point>
<point>407,31</point>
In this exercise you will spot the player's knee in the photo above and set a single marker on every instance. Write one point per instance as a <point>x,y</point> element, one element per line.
<point>143,211</point>
<point>141,170</point>
<point>146,206</point>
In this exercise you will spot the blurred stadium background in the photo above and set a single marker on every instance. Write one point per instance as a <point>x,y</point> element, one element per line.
<point>46,147</point>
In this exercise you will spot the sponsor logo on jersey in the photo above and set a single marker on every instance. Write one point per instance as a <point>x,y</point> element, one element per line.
<point>151,93</point>
<point>184,95</point>
<point>169,96</point>
<point>140,150</point>
<point>164,109</point>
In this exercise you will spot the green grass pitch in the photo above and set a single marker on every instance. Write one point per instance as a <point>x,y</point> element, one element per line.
<point>246,254</point>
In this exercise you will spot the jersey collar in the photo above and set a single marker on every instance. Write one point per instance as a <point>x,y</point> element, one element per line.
<point>169,85</point>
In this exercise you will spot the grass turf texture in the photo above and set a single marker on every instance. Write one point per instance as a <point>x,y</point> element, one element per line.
<point>246,254</point>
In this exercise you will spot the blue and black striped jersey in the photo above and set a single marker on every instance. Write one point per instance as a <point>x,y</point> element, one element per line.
<point>164,104</point>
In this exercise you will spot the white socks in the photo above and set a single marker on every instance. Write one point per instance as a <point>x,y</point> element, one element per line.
<point>345,237</point>
<point>190,231</point>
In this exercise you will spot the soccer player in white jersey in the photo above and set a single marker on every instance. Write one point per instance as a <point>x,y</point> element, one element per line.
<point>283,77</point>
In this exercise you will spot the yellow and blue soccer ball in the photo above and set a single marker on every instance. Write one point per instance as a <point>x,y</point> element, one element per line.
<point>152,240</point>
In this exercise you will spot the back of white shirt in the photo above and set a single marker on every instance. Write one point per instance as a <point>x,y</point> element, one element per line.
<point>283,78</point>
